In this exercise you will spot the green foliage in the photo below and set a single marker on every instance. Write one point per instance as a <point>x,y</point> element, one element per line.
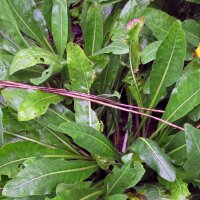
<point>139,52</point>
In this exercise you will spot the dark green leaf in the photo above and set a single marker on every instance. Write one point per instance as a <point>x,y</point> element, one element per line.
<point>14,154</point>
<point>194,115</point>
<point>35,104</point>
<point>90,139</point>
<point>192,137</point>
<point>30,181</point>
<point>168,64</point>
<point>46,10</point>
<point>194,1</point>
<point>59,23</point>
<point>153,155</point>
<point>94,29</point>
<point>116,197</point>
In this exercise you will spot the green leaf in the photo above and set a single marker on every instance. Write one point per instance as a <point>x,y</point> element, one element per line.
<point>59,25</point>
<point>123,178</point>
<point>14,154</point>
<point>46,10</point>
<point>183,99</point>
<point>78,194</point>
<point>177,190</point>
<point>24,12</point>
<point>194,1</point>
<point>192,137</point>
<point>94,29</point>
<point>194,115</point>
<point>8,27</point>
<point>168,64</point>
<point>36,104</point>
<point>149,52</point>
<point>158,21</point>
<point>81,79</point>
<point>27,58</point>
<point>155,158</point>
<point>116,47</point>
<point>90,139</point>
<point>30,181</point>
<point>1,127</point>
<point>192,30</point>
<point>116,197</point>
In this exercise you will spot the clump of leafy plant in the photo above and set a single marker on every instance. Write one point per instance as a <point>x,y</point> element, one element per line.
<point>99,99</point>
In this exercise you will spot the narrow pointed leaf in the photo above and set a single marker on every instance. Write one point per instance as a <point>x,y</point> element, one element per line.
<point>30,181</point>
<point>36,104</point>
<point>46,10</point>
<point>14,154</point>
<point>1,127</point>
<point>94,29</point>
<point>59,23</point>
<point>90,139</point>
<point>168,64</point>
<point>183,99</point>
<point>23,12</point>
<point>153,155</point>
<point>192,137</point>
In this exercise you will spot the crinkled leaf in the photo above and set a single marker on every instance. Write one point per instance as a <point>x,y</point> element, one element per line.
<point>192,137</point>
<point>14,154</point>
<point>59,24</point>
<point>36,104</point>
<point>149,52</point>
<point>30,181</point>
<point>153,155</point>
<point>94,29</point>
<point>168,64</point>
<point>90,139</point>
<point>116,47</point>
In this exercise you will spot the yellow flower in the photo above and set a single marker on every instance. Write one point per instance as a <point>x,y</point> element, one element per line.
<point>197,52</point>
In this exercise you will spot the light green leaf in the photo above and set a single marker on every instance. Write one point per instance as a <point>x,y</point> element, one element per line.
<point>23,12</point>
<point>192,30</point>
<point>158,21</point>
<point>59,23</point>
<point>168,64</point>
<point>149,52</point>
<point>94,29</point>
<point>194,1</point>
<point>81,194</point>
<point>14,154</point>
<point>46,10</point>
<point>116,47</point>
<point>30,181</point>
<point>183,99</point>
<point>36,104</point>
<point>8,27</point>
<point>90,139</point>
<point>192,137</point>
<point>81,79</point>
<point>155,158</point>
<point>1,127</point>
<point>116,197</point>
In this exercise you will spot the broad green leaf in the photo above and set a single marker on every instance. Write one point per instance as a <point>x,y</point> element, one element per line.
<point>116,197</point>
<point>1,127</point>
<point>116,47</point>
<point>158,21</point>
<point>183,99</point>
<point>123,178</point>
<point>8,27</point>
<point>14,154</point>
<point>78,194</point>
<point>46,10</point>
<point>94,29</point>
<point>30,181</point>
<point>81,79</point>
<point>90,139</point>
<point>27,58</point>
<point>176,148</point>
<point>24,12</point>
<point>192,137</point>
<point>155,158</point>
<point>177,190</point>
<point>168,64</point>
<point>149,52</point>
<point>59,25</point>
<point>36,104</point>
<point>192,30</point>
